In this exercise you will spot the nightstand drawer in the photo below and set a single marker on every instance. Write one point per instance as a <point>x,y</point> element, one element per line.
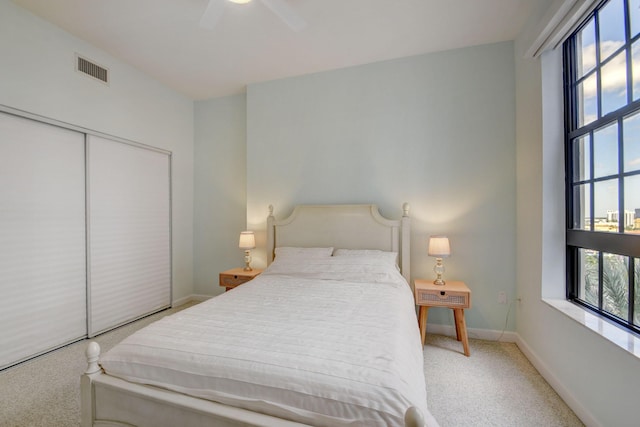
<point>230,281</point>
<point>443,298</point>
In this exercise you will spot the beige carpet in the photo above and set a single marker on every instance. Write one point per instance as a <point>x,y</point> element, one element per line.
<point>45,391</point>
<point>496,386</point>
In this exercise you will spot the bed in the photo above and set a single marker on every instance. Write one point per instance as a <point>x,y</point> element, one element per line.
<point>325,336</point>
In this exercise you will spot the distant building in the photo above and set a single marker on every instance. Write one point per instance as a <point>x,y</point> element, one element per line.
<point>629,217</point>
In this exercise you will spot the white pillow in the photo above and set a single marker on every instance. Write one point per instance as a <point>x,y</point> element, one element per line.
<point>386,257</point>
<point>285,252</point>
<point>359,269</point>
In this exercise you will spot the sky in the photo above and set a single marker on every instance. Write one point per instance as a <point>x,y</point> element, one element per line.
<point>614,96</point>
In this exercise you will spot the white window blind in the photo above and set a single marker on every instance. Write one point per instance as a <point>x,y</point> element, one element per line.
<point>42,238</point>
<point>129,232</point>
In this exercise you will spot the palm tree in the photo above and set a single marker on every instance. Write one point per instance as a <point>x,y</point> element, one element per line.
<point>615,284</point>
<point>591,277</point>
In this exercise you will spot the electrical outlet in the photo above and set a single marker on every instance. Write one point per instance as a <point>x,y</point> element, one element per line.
<point>502,297</point>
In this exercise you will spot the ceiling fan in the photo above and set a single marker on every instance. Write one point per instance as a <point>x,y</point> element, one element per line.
<point>215,10</point>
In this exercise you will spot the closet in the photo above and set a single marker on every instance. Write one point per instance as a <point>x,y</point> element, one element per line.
<point>85,232</point>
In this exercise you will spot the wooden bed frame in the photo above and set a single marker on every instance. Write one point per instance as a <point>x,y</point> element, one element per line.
<point>110,401</point>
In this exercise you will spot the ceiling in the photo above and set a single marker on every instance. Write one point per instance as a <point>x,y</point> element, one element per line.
<point>250,44</point>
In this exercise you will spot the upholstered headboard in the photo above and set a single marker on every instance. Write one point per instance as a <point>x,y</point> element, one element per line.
<point>342,226</point>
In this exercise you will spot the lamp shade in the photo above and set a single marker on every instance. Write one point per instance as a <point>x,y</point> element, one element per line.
<point>439,246</point>
<point>247,240</point>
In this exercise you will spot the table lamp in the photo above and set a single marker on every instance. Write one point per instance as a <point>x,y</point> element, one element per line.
<point>439,248</point>
<point>247,242</point>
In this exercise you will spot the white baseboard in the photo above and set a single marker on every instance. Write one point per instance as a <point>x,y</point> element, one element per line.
<point>193,297</point>
<point>583,413</point>
<point>481,334</point>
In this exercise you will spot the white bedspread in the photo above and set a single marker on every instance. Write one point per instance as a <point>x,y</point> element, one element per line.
<point>295,343</point>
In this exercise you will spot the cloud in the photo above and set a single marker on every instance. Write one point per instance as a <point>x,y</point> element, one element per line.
<point>614,73</point>
<point>589,53</point>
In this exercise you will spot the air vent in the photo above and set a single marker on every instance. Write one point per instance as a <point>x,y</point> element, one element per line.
<point>92,69</point>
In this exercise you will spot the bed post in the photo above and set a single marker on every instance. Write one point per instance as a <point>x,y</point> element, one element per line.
<point>270,235</point>
<point>406,243</point>
<point>87,407</point>
<point>413,418</point>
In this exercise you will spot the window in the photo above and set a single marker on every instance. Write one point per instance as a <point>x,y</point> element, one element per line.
<point>602,152</point>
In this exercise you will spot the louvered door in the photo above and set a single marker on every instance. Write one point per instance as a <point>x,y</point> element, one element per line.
<point>42,238</point>
<point>129,232</point>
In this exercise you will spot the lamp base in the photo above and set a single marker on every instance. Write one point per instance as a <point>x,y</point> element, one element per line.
<point>247,261</point>
<point>439,270</point>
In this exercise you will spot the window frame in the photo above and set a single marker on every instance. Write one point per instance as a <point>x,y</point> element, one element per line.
<point>617,243</point>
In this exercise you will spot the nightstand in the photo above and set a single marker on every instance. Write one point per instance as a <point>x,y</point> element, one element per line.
<point>453,295</point>
<point>237,276</point>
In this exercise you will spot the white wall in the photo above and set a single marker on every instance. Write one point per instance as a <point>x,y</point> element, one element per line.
<point>437,131</point>
<point>595,377</point>
<point>220,188</point>
<point>37,69</point>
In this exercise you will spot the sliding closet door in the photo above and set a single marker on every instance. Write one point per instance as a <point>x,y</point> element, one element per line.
<point>129,232</point>
<point>42,238</point>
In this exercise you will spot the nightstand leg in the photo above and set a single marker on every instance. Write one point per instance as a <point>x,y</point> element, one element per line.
<point>461,328</point>
<point>457,323</point>
<point>422,322</point>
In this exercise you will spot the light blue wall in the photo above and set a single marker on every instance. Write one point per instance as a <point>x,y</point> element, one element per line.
<point>437,131</point>
<point>220,188</point>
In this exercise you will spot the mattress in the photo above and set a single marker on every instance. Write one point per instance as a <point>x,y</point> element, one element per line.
<point>331,342</point>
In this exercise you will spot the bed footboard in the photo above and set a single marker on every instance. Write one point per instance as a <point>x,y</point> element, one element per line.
<point>106,400</point>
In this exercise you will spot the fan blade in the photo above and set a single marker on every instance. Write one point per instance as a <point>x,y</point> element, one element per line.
<point>288,15</point>
<point>212,14</point>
